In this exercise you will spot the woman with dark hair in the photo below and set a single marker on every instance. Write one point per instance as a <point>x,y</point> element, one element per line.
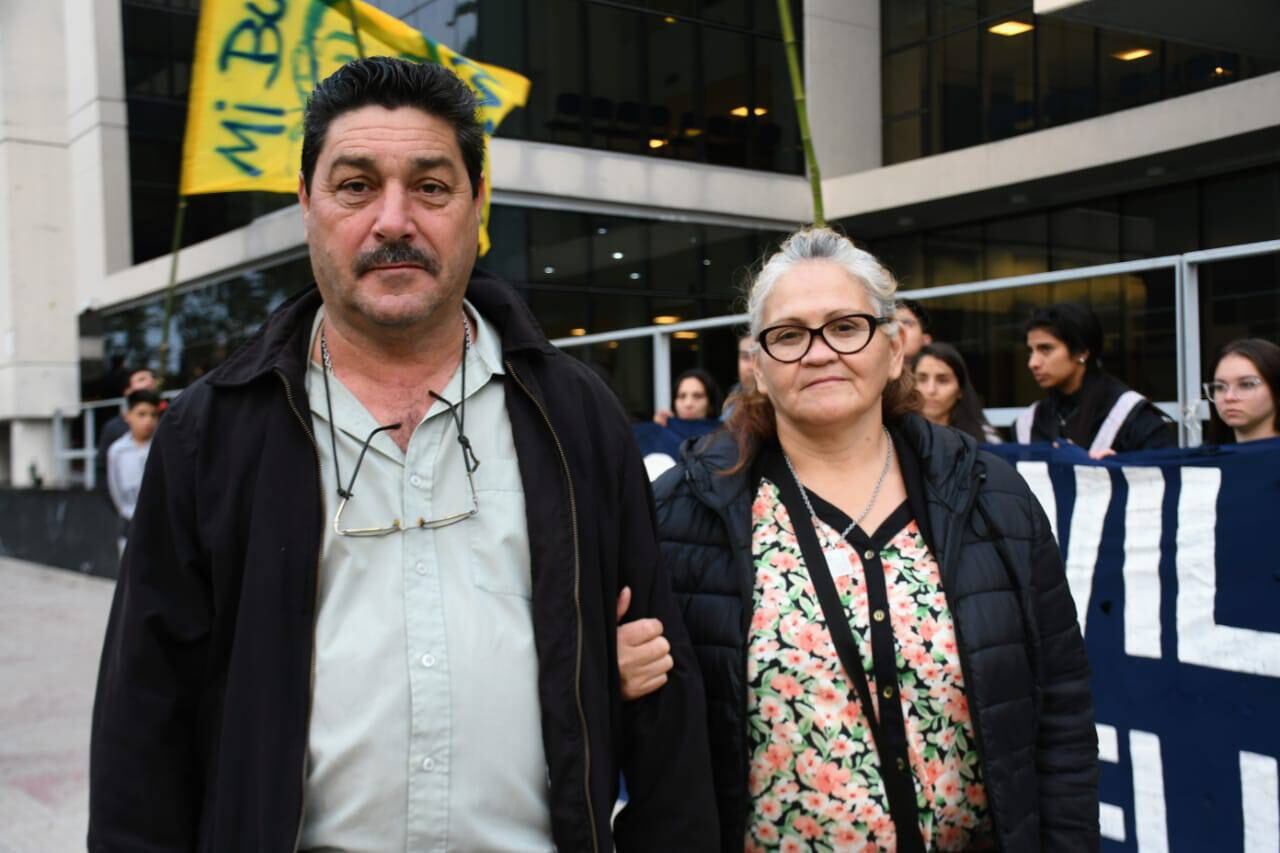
<point>697,398</point>
<point>947,394</point>
<point>890,652</point>
<point>1085,405</point>
<point>1244,391</point>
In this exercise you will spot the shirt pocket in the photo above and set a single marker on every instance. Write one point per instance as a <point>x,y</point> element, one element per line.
<point>499,534</point>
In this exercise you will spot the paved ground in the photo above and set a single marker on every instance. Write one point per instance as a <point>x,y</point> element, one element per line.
<point>51,624</point>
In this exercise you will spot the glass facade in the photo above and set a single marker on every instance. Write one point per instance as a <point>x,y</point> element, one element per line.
<point>962,72</point>
<point>1238,298</point>
<point>700,80</point>
<point>581,273</point>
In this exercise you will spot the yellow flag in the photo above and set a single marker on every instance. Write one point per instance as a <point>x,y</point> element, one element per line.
<point>256,63</point>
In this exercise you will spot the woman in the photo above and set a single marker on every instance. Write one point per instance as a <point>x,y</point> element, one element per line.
<point>890,652</point>
<point>697,398</point>
<point>948,397</point>
<point>1244,391</point>
<point>1085,404</point>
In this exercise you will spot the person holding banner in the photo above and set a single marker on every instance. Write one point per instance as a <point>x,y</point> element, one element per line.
<point>369,600</point>
<point>1085,405</point>
<point>880,611</point>
<point>1244,391</point>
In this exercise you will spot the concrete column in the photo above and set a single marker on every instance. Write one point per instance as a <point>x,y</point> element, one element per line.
<point>842,81</point>
<point>31,453</point>
<point>97,143</point>
<point>39,367</point>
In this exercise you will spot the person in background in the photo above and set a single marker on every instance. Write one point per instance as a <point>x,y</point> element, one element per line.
<point>891,653</point>
<point>1084,404</point>
<point>127,455</point>
<point>141,379</point>
<point>1244,391</point>
<point>913,320</point>
<point>942,378</point>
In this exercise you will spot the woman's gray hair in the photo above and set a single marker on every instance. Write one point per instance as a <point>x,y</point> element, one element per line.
<point>823,244</point>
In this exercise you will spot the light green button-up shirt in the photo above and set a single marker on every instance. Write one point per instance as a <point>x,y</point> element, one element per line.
<point>425,723</point>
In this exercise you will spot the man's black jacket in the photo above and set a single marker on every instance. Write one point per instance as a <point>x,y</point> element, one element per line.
<point>1023,658</point>
<point>201,719</point>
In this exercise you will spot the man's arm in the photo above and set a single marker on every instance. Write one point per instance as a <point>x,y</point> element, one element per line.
<point>146,772</point>
<point>666,754</point>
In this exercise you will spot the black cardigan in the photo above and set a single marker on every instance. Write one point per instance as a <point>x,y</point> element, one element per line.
<point>1026,674</point>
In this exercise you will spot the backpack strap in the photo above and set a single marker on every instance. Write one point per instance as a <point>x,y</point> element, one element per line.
<point>1120,411</point>
<point>1022,426</point>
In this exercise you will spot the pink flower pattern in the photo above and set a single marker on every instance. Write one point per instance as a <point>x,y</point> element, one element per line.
<point>814,773</point>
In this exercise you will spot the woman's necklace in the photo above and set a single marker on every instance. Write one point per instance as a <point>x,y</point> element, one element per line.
<point>875,493</point>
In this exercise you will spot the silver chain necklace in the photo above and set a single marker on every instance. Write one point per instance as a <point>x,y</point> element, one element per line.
<point>875,493</point>
<point>328,362</point>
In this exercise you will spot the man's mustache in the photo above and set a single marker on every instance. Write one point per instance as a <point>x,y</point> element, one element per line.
<point>393,254</point>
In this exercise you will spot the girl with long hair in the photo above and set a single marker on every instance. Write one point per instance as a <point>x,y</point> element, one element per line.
<point>947,395</point>
<point>1244,391</point>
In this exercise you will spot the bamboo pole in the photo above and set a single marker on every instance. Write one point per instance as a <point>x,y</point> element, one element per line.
<point>802,112</point>
<point>355,28</point>
<point>179,219</point>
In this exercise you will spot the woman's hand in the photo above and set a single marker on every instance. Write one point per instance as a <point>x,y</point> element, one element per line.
<point>644,655</point>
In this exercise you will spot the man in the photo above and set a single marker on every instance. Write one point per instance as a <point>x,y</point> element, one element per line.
<point>913,320</point>
<point>142,379</point>
<point>127,456</point>
<point>369,600</point>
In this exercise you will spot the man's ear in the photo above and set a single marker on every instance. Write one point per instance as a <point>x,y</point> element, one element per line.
<point>927,338</point>
<point>304,199</point>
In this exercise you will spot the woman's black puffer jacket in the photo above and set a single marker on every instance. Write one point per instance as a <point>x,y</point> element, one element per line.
<point>1023,657</point>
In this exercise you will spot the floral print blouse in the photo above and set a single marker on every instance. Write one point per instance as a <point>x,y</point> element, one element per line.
<point>815,773</point>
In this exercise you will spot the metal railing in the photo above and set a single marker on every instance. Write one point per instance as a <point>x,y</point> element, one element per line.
<point>1189,410</point>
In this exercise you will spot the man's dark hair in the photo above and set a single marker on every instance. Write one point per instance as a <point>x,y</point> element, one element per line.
<point>139,398</point>
<point>921,313</point>
<point>1075,325</point>
<point>394,83</point>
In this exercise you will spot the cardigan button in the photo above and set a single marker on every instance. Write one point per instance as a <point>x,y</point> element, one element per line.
<point>902,765</point>
<point>878,615</point>
<point>888,692</point>
<point>869,555</point>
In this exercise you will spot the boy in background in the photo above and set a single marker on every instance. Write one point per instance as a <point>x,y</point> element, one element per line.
<point>127,455</point>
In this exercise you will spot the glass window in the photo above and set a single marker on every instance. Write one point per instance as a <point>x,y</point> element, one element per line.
<point>1084,235</point>
<point>1242,208</point>
<point>1238,299</point>
<point>903,81</point>
<point>904,139</point>
<point>904,21</point>
<point>559,107</point>
<point>617,114</point>
<point>727,95</point>
<point>1066,63</point>
<point>1189,68</point>
<point>957,92</point>
<point>1159,222</point>
<point>954,255</point>
<point>1008,71</point>
<point>1016,246</point>
<point>670,113</point>
<point>1129,71</point>
<point>904,257</point>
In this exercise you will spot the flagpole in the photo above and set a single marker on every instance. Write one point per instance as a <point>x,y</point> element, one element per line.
<point>179,218</point>
<point>355,27</point>
<point>802,111</point>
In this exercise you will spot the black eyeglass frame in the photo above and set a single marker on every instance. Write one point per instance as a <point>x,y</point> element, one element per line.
<point>873,321</point>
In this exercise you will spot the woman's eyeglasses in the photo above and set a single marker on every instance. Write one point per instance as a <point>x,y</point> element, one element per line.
<point>1246,387</point>
<point>845,335</point>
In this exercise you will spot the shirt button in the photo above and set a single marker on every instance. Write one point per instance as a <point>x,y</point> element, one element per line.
<point>415,481</point>
<point>888,692</point>
<point>420,568</point>
<point>428,661</point>
<point>869,555</point>
<point>878,615</point>
<point>428,764</point>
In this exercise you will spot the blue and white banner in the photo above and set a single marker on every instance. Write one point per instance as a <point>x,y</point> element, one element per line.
<point>1174,561</point>
<point>660,445</point>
